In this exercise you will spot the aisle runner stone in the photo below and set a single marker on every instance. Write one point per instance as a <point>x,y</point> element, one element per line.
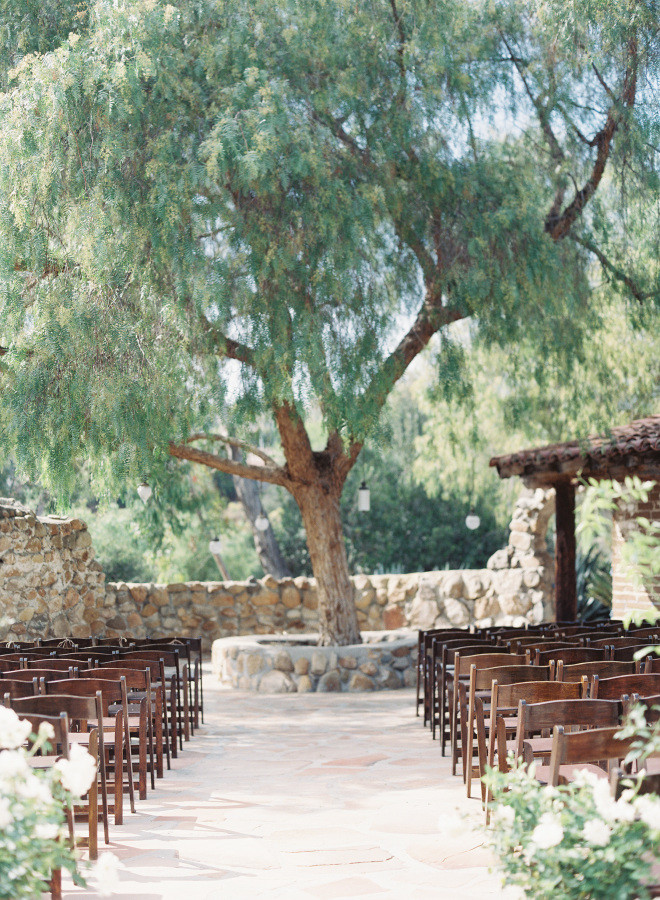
<point>295,798</point>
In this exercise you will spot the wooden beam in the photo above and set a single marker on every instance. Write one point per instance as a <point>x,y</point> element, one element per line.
<point>565,582</point>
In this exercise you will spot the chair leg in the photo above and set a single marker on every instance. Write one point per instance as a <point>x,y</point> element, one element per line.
<point>55,884</point>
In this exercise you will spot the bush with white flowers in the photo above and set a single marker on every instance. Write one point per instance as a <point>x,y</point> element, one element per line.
<point>33,832</point>
<point>574,841</point>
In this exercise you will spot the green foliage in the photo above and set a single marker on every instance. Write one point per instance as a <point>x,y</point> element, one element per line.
<point>176,174</point>
<point>594,586</point>
<point>640,549</point>
<point>573,841</point>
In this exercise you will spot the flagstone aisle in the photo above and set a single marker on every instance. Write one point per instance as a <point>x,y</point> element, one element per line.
<point>305,796</point>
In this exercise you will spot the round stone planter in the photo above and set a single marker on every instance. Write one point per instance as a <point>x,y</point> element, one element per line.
<point>283,663</point>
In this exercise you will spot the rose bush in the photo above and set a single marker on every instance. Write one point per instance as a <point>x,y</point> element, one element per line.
<point>576,842</point>
<point>33,832</point>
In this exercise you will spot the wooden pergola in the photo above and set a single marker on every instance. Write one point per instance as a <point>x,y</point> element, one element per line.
<point>630,450</point>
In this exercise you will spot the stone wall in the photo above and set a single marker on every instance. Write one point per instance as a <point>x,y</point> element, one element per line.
<point>52,586</point>
<point>631,593</point>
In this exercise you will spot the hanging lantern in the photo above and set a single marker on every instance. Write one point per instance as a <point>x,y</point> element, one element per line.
<point>472,520</point>
<point>364,498</point>
<point>261,523</point>
<point>215,546</point>
<point>144,492</point>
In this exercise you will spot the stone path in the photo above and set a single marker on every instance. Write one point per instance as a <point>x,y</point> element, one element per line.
<point>305,796</point>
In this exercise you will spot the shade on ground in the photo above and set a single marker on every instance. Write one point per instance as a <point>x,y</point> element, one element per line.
<point>305,796</point>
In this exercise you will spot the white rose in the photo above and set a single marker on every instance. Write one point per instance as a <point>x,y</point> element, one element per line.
<point>13,731</point>
<point>46,731</point>
<point>46,831</point>
<point>548,833</point>
<point>648,808</point>
<point>35,788</point>
<point>597,832</point>
<point>504,815</point>
<point>603,800</point>
<point>78,772</point>
<point>13,765</point>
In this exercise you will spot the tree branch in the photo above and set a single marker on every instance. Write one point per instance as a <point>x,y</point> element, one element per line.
<point>431,317</point>
<point>234,442</point>
<point>229,466</point>
<point>614,270</point>
<point>558,224</point>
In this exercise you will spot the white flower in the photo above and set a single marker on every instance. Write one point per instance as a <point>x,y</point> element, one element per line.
<point>13,765</point>
<point>548,833</point>
<point>586,778</point>
<point>35,788</point>
<point>597,832</point>
<point>78,771</point>
<point>6,817</point>
<point>648,808</point>
<point>13,731</point>
<point>106,874</point>
<point>46,731</point>
<point>504,815</point>
<point>46,831</point>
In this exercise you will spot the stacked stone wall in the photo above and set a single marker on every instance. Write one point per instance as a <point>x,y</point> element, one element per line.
<point>50,583</point>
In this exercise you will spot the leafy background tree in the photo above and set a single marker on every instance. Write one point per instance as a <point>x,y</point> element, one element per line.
<point>215,210</point>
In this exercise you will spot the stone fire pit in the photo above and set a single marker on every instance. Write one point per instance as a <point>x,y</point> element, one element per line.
<point>283,663</point>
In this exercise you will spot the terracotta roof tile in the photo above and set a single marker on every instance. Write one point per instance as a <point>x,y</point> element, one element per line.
<point>639,438</point>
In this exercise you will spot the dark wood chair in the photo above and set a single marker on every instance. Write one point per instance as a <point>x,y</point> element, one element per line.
<point>603,668</point>
<point>144,704</point>
<point>479,700</point>
<point>540,718</point>
<point>116,737</point>
<point>484,658</point>
<point>571,751</point>
<point>570,655</point>
<point>442,654</point>
<point>76,712</point>
<point>16,687</point>
<point>161,729</point>
<point>645,685</point>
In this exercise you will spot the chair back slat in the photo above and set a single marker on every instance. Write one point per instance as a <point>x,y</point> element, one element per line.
<point>614,688</point>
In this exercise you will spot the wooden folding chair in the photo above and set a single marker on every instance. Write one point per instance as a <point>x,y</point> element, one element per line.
<point>15,687</point>
<point>139,691</point>
<point>603,668</point>
<point>161,726</point>
<point>442,653</point>
<point>79,711</point>
<point>630,652</point>
<point>570,655</point>
<point>541,718</point>
<point>505,700</point>
<point>614,688</point>
<point>172,676</point>
<point>483,659</point>
<point>116,737</point>
<point>89,802</point>
<point>480,691</point>
<point>571,751</point>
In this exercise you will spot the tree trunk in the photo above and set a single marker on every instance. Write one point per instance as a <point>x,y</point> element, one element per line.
<point>336,608</point>
<point>265,542</point>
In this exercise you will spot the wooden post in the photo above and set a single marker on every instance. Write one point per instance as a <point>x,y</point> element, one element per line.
<point>565,582</point>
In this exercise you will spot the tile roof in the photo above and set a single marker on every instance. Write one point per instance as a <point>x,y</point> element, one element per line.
<point>623,445</point>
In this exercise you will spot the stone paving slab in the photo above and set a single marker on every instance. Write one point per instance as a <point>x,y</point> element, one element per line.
<point>296,797</point>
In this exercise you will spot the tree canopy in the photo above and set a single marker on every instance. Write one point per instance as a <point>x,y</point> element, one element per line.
<point>212,209</point>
